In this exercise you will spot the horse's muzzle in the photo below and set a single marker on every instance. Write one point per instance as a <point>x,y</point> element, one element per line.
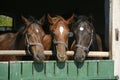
<point>79,55</point>
<point>39,57</point>
<point>61,57</point>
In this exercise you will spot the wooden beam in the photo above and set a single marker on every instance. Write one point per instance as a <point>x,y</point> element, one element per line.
<point>69,53</point>
<point>98,54</point>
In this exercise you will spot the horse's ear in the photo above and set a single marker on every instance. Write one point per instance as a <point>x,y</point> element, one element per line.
<point>70,19</point>
<point>75,16</point>
<point>91,18</point>
<point>50,19</point>
<point>42,20</point>
<point>26,21</point>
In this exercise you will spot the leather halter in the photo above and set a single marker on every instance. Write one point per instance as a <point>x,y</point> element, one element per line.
<point>61,42</point>
<point>29,44</point>
<point>83,47</point>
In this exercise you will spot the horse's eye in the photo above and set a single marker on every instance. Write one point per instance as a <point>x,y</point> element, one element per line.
<point>70,34</point>
<point>53,34</point>
<point>29,35</point>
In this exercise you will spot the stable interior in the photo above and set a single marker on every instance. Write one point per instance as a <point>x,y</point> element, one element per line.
<point>65,8</point>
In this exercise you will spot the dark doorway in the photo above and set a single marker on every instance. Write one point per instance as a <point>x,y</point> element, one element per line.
<point>66,8</point>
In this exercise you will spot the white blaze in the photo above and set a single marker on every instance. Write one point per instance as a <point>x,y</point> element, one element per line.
<point>81,28</point>
<point>37,30</point>
<point>61,29</point>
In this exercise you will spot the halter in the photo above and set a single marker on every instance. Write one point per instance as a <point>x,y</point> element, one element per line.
<point>29,44</point>
<point>61,42</point>
<point>86,48</point>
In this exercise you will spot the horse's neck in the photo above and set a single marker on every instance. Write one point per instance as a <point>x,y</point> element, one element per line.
<point>18,43</point>
<point>47,41</point>
<point>97,43</point>
<point>12,43</point>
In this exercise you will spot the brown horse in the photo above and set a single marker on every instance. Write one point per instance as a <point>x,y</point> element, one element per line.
<point>85,38</point>
<point>60,33</point>
<point>29,38</point>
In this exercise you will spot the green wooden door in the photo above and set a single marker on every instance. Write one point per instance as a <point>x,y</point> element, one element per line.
<point>53,70</point>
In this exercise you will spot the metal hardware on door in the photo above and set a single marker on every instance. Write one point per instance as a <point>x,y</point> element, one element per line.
<point>116,34</point>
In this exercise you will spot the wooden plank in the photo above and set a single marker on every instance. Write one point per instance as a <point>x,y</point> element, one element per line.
<point>72,69</point>
<point>70,53</point>
<point>98,54</point>
<point>82,69</point>
<point>49,68</point>
<point>92,68</point>
<point>3,70</point>
<point>106,68</point>
<point>26,70</point>
<point>60,69</point>
<point>15,70</point>
<point>38,70</point>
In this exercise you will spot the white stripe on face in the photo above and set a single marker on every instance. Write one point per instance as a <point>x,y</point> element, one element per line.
<point>81,28</point>
<point>61,29</point>
<point>37,31</point>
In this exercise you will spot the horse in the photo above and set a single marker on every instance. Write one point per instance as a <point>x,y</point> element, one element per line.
<point>29,38</point>
<point>85,37</point>
<point>59,28</point>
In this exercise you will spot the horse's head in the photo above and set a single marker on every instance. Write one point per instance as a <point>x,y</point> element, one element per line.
<point>60,32</point>
<point>83,30</point>
<point>33,35</point>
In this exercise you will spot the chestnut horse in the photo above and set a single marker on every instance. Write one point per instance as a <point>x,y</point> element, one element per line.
<point>85,38</point>
<point>30,38</point>
<point>60,32</point>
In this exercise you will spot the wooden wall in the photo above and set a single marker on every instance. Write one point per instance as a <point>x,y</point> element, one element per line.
<point>115,34</point>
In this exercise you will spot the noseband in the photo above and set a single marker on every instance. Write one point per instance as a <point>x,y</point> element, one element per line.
<point>29,44</point>
<point>83,47</point>
<point>60,42</point>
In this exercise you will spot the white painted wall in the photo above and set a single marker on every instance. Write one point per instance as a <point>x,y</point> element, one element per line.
<point>115,24</point>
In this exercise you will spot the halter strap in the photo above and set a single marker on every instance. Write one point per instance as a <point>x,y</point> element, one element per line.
<point>61,42</point>
<point>86,48</point>
<point>29,44</point>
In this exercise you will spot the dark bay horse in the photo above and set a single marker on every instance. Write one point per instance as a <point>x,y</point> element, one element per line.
<point>60,32</point>
<point>85,38</point>
<point>30,38</point>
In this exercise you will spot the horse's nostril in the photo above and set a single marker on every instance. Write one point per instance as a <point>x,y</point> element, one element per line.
<point>61,57</point>
<point>39,57</point>
<point>82,56</point>
<point>79,57</point>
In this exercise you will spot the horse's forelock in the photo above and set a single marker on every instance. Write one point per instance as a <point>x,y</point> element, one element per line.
<point>59,18</point>
<point>82,18</point>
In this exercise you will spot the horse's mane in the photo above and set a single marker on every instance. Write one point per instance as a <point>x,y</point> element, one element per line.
<point>82,18</point>
<point>33,20</point>
<point>58,18</point>
<point>19,33</point>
